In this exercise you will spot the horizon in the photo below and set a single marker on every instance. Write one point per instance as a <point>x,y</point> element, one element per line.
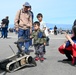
<point>49,25</point>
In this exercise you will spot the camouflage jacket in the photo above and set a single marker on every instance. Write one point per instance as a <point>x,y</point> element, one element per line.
<point>39,37</point>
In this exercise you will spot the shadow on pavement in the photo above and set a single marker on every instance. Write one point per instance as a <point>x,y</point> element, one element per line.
<point>65,62</point>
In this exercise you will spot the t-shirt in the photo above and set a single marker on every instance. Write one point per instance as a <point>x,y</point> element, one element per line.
<point>42,24</point>
<point>46,32</point>
<point>68,42</point>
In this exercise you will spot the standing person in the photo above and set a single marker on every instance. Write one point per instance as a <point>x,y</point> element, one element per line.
<point>55,30</point>
<point>39,41</point>
<point>42,25</point>
<point>23,24</point>
<point>32,15</point>
<point>4,26</point>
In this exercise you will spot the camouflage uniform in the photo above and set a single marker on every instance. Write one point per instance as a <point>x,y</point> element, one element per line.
<point>39,40</point>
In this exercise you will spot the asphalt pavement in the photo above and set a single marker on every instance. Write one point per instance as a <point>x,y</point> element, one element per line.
<point>52,65</point>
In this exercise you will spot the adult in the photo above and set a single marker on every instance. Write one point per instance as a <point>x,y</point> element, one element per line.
<point>55,30</point>
<point>23,24</point>
<point>69,47</point>
<point>4,26</point>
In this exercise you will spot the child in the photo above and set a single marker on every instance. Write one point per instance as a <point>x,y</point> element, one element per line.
<point>40,19</point>
<point>42,25</point>
<point>69,48</point>
<point>39,41</point>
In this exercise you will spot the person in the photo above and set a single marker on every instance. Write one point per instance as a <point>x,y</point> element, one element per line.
<point>42,24</point>
<point>55,30</point>
<point>23,24</point>
<point>32,15</point>
<point>4,26</point>
<point>69,48</point>
<point>47,35</point>
<point>39,41</point>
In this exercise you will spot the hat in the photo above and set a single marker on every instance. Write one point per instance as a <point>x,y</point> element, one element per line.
<point>26,4</point>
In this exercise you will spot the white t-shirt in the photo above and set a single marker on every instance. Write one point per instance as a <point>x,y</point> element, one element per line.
<point>42,25</point>
<point>46,32</point>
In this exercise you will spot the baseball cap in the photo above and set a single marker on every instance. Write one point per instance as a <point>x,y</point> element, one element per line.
<point>26,4</point>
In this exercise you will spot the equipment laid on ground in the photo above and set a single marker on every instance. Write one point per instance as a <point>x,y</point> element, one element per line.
<point>17,61</point>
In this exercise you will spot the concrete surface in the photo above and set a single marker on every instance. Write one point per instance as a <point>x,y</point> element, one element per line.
<point>52,64</point>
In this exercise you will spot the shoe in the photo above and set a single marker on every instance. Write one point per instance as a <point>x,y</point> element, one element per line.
<point>36,58</point>
<point>42,59</point>
<point>74,61</point>
<point>67,59</point>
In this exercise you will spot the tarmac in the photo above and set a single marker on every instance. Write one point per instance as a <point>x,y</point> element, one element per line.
<point>52,65</point>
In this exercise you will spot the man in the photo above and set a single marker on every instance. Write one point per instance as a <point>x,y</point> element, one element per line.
<point>4,26</point>
<point>55,30</point>
<point>23,24</point>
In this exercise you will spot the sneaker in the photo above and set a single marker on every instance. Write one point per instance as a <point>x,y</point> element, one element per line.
<point>74,61</point>
<point>42,59</point>
<point>36,58</point>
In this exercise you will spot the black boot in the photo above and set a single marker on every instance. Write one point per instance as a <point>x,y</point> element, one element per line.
<point>68,55</point>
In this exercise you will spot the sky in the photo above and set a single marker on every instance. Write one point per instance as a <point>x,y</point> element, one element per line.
<point>54,11</point>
